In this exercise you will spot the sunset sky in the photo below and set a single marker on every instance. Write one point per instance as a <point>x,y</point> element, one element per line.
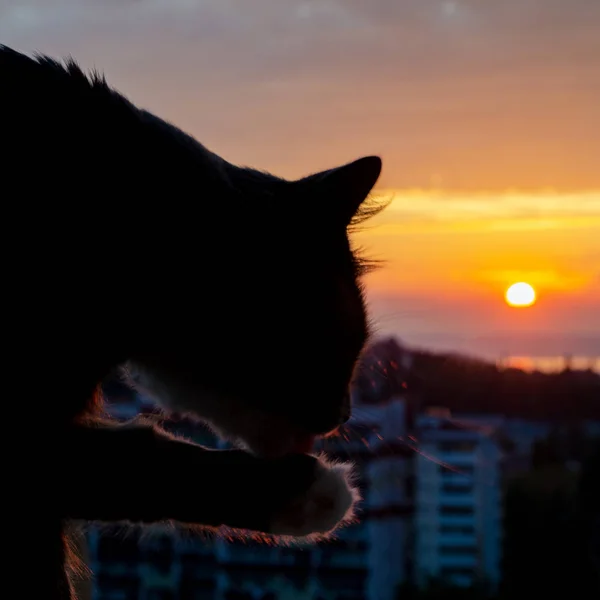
<point>485,112</point>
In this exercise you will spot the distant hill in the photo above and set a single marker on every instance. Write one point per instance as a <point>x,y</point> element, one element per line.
<point>468,384</point>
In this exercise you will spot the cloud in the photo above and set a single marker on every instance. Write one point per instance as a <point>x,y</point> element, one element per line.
<point>418,37</point>
<point>468,93</point>
<point>546,207</point>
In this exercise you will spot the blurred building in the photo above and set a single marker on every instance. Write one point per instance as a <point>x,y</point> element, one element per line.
<point>389,507</point>
<point>458,520</point>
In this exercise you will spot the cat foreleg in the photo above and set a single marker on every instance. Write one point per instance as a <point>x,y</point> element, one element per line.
<point>143,474</point>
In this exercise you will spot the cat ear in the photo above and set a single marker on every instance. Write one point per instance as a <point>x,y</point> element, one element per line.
<point>345,188</point>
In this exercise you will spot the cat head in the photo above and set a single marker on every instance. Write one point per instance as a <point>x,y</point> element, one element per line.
<point>259,317</point>
<point>263,327</point>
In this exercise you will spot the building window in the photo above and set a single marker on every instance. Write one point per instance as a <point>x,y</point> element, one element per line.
<point>457,446</point>
<point>458,550</point>
<point>457,529</point>
<point>237,595</point>
<point>448,470</point>
<point>111,550</point>
<point>160,595</point>
<point>457,488</point>
<point>159,553</point>
<point>126,586</point>
<point>449,572</point>
<point>456,511</point>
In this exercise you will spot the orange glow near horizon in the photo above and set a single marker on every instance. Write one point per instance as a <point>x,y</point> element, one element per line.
<point>486,241</point>
<point>460,251</point>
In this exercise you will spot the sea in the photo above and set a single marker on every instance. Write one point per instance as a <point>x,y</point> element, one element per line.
<point>550,364</point>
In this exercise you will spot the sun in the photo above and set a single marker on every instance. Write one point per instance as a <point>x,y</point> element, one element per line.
<point>520,294</point>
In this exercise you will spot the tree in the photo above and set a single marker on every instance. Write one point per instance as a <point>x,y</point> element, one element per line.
<point>547,529</point>
<point>437,589</point>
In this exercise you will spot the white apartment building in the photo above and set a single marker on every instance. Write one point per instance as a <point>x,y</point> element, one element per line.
<point>389,506</point>
<point>458,502</point>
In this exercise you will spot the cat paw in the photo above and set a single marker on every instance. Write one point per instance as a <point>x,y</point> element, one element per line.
<point>328,503</point>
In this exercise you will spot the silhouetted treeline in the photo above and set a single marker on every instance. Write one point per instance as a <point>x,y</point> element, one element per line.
<point>551,524</point>
<point>465,384</point>
<point>439,590</point>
